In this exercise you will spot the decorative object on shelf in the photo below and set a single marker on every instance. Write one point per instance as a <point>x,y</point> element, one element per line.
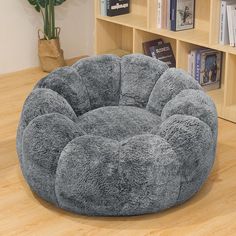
<point>182,14</point>
<point>49,49</point>
<point>205,65</point>
<point>117,7</point>
<point>117,136</point>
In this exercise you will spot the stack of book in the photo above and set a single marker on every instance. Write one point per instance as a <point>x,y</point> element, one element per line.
<point>160,50</point>
<point>175,15</point>
<point>228,23</point>
<point>205,65</point>
<point>114,7</point>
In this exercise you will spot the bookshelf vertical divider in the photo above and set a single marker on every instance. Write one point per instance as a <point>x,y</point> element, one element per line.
<point>125,34</point>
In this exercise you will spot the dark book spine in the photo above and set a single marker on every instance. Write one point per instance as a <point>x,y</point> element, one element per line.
<point>108,8</point>
<point>221,65</point>
<point>173,14</point>
<point>146,50</point>
<point>194,12</point>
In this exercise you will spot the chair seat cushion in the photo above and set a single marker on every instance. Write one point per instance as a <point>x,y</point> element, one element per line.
<point>118,122</point>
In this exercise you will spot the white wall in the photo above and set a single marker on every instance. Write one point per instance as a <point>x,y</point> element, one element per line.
<point>18,32</point>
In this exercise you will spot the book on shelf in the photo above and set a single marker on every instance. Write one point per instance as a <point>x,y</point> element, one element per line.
<point>227,31</point>
<point>103,7</point>
<point>182,14</point>
<point>164,53</point>
<point>160,50</point>
<point>231,23</point>
<point>116,7</point>
<point>175,15</point>
<point>205,65</point>
<point>168,20</point>
<point>162,6</point>
<point>192,63</point>
<point>148,44</point>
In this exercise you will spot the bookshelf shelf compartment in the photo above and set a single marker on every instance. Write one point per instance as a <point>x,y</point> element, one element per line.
<point>113,38</point>
<point>142,36</point>
<point>183,49</point>
<point>200,33</point>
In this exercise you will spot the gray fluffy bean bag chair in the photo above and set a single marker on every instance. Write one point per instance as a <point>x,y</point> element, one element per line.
<point>117,136</point>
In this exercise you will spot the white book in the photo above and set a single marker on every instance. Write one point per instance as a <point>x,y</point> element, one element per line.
<point>168,21</point>
<point>103,8</point>
<point>230,24</point>
<point>193,63</point>
<point>159,14</point>
<point>234,23</point>
<point>224,29</point>
<point>224,32</point>
<point>190,64</point>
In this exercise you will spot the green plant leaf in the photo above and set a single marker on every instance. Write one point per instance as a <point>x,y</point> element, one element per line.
<point>35,4</point>
<point>58,2</point>
<point>32,2</point>
<point>43,3</point>
<point>46,2</point>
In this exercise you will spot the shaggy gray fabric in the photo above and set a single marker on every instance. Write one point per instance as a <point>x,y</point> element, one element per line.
<point>172,82</point>
<point>68,84</point>
<point>191,139</point>
<point>136,176</point>
<point>139,75</point>
<point>43,141</point>
<point>40,102</point>
<point>101,77</point>
<point>117,136</point>
<point>118,122</point>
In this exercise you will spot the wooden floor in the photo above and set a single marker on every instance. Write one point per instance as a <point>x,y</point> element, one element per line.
<point>211,212</point>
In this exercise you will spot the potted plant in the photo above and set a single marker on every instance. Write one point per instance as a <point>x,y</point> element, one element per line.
<point>49,50</point>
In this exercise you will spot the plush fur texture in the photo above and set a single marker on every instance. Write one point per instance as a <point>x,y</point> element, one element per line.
<point>40,102</point>
<point>139,74</point>
<point>191,139</point>
<point>171,83</point>
<point>117,136</point>
<point>43,141</point>
<point>136,176</point>
<point>101,77</point>
<point>66,82</point>
<point>118,122</point>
